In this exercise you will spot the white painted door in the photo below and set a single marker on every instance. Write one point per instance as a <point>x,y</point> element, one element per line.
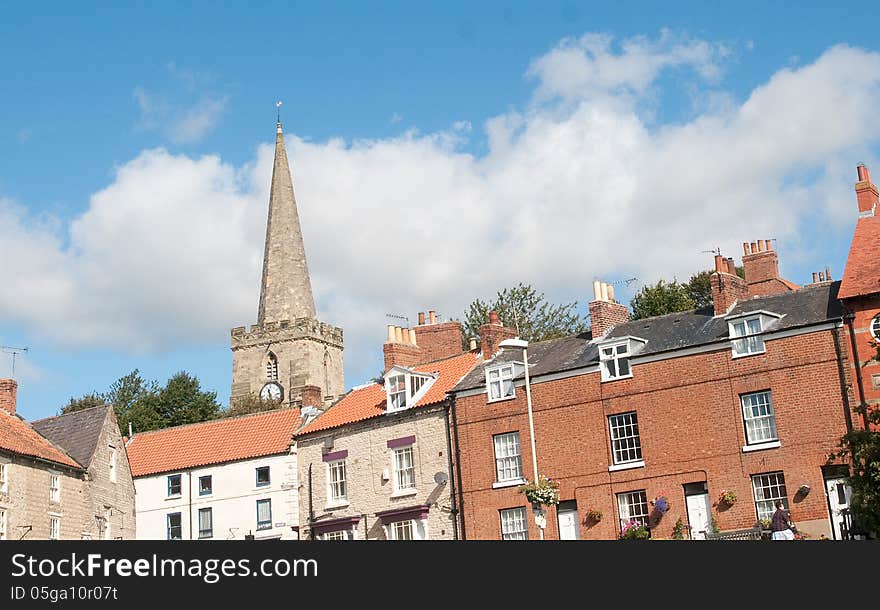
<point>839,494</point>
<point>568,524</point>
<point>698,508</point>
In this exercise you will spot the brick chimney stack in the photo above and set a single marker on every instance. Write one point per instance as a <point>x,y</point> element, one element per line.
<point>727,286</point>
<point>866,192</point>
<point>492,334</point>
<point>8,391</point>
<point>605,311</point>
<point>311,397</point>
<point>437,340</point>
<point>400,347</point>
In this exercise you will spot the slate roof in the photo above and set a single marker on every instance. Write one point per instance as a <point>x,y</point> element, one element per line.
<point>17,436</point>
<point>78,432</point>
<point>862,273</point>
<point>369,401</point>
<point>810,305</point>
<point>213,442</point>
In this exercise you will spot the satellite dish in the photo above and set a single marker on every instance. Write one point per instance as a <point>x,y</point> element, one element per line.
<point>440,478</point>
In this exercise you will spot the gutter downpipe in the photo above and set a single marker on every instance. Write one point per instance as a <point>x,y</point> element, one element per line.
<point>458,470</point>
<point>311,509</point>
<point>849,316</point>
<point>449,403</point>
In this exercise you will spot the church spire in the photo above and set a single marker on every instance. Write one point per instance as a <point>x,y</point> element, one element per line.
<point>286,291</point>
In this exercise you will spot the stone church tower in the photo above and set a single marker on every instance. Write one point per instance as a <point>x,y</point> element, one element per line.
<point>288,348</point>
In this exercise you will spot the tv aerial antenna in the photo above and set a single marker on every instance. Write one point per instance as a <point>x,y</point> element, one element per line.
<point>14,351</point>
<point>398,317</point>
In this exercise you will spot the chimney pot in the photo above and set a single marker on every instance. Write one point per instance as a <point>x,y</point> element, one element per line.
<point>610,293</point>
<point>815,277</point>
<point>821,276</point>
<point>864,174</point>
<point>8,392</point>
<point>760,245</point>
<point>398,334</point>
<point>828,273</point>
<point>421,318</point>
<point>719,261</point>
<point>731,266</point>
<point>390,334</point>
<point>493,318</point>
<point>432,316</point>
<point>597,290</point>
<point>745,247</point>
<point>604,292</point>
<point>753,247</point>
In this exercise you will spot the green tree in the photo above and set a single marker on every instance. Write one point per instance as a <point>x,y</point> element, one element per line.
<point>699,290</point>
<point>250,403</point>
<point>147,406</point>
<point>862,449</point>
<point>659,299</point>
<point>85,402</point>
<point>182,401</point>
<point>524,308</point>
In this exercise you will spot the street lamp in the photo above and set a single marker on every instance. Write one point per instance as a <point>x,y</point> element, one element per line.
<point>540,514</point>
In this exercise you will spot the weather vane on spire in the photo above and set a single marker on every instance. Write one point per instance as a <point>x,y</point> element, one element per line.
<point>278,111</point>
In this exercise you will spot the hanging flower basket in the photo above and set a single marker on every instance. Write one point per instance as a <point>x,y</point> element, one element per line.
<point>661,504</point>
<point>594,515</point>
<point>543,493</point>
<point>728,498</point>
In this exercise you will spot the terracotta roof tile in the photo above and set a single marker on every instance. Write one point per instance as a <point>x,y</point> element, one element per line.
<point>862,273</point>
<point>17,436</point>
<point>369,401</point>
<point>212,442</point>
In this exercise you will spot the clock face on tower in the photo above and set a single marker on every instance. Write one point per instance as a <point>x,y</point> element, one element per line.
<point>272,391</point>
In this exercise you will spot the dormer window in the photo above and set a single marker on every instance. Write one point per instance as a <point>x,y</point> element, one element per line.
<point>614,357</point>
<point>749,330</point>
<point>745,331</point>
<point>404,387</point>
<point>499,381</point>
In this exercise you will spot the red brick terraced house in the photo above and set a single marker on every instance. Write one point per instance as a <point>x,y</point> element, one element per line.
<point>750,396</point>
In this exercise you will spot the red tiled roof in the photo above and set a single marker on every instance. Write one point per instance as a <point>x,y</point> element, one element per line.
<point>212,442</point>
<point>862,273</point>
<point>369,401</point>
<point>17,436</point>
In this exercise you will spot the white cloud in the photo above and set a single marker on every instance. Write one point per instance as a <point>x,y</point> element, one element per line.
<point>185,115</point>
<point>569,190</point>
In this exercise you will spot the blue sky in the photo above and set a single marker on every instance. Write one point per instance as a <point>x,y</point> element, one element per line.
<point>491,142</point>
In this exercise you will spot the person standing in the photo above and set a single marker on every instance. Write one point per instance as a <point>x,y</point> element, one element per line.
<point>780,523</point>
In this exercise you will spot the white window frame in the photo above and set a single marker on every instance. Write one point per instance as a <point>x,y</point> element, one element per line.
<point>336,535</point>
<point>630,442</point>
<point>3,524</point>
<point>54,527</point>
<point>4,478</point>
<point>632,506</point>
<point>54,487</point>
<point>875,327</point>
<point>514,524</point>
<point>112,464</point>
<point>607,362</point>
<point>401,484</point>
<point>415,385</point>
<point>334,482</point>
<point>179,484</point>
<point>396,528</point>
<point>210,479</point>
<point>508,457</point>
<point>499,381</point>
<point>760,419</point>
<point>746,341</point>
<point>767,488</point>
